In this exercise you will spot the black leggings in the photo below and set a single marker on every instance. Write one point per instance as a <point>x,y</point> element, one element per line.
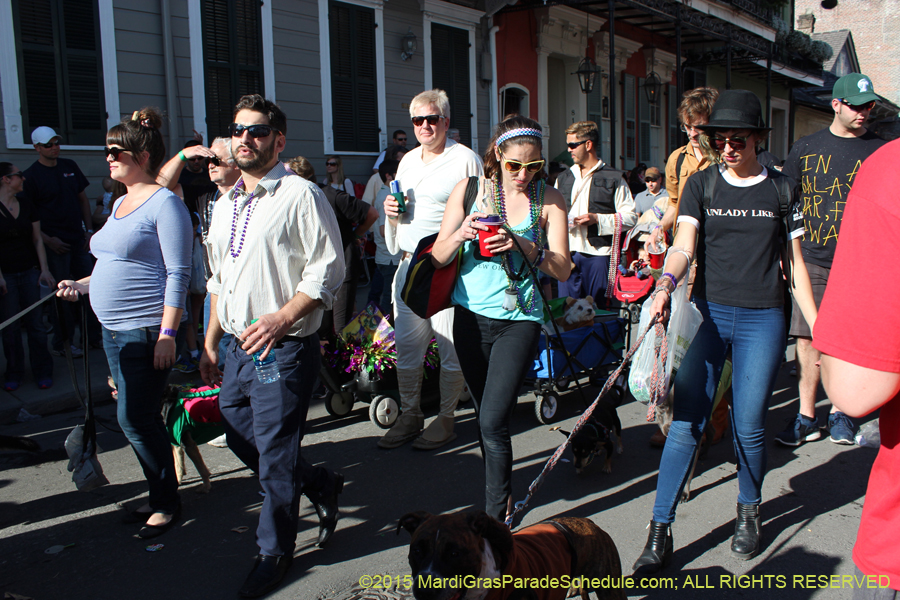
<point>495,355</point>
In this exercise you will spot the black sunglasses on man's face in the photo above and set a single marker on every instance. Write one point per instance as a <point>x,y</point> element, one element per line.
<point>255,131</point>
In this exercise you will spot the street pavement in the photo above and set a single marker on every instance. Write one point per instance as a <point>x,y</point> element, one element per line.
<point>813,498</point>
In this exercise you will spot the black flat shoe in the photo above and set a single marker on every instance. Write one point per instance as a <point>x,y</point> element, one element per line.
<point>327,509</point>
<point>136,516</point>
<point>267,573</point>
<point>148,532</point>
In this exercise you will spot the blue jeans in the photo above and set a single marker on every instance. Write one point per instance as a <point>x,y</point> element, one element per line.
<point>74,264</point>
<point>21,292</point>
<point>264,425</point>
<point>756,339</point>
<point>590,277</point>
<point>494,356</point>
<point>141,387</point>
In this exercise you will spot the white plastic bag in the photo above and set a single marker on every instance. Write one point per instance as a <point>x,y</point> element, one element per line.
<point>684,322</point>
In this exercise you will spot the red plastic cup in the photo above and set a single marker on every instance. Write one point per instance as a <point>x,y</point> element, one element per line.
<point>493,223</point>
<point>657,258</point>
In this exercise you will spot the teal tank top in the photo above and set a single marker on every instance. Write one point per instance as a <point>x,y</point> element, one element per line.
<point>482,284</point>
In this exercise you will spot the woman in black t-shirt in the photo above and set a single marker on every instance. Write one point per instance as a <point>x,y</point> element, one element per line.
<point>23,263</point>
<point>737,218</point>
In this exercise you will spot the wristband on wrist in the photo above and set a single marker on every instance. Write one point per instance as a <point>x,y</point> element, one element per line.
<point>672,278</point>
<point>182,156</point>
<point>169,332</point>
<point>540,256</point>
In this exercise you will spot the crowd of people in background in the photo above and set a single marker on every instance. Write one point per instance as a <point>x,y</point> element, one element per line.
<point>236,242</point>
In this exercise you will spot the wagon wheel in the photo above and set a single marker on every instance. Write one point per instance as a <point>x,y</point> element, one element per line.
<point>545,408</point>
<point>383,411</point>
<point>340,404</point>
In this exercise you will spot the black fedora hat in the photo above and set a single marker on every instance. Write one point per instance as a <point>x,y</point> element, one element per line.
<point>736,109</point>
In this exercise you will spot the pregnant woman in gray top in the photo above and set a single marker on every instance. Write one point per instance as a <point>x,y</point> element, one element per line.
<point>138,289</point>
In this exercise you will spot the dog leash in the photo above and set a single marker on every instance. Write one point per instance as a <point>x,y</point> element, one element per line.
<point>656,396</point>
<point>20,314</point>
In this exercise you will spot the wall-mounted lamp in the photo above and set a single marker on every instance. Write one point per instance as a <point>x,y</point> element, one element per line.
<point>587,73</point>
<point>653,84</point>
<point>408,45</point>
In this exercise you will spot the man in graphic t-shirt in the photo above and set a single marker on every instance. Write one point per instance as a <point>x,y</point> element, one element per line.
<point>825,164</point>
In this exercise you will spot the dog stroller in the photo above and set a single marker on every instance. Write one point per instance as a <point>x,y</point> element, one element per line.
<point>595,350</point>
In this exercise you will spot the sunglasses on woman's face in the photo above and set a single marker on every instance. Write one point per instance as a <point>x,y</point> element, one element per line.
<point>737,143</point>
<point>331,164</point>
<point>514,166</point>
<point>114,152</point>
<point>432,120</point>
<point>255,131</point>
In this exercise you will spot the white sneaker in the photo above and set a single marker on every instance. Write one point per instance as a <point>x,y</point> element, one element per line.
<point>218,442</point>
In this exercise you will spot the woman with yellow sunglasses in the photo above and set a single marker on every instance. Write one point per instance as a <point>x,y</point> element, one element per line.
<point>499,311</point>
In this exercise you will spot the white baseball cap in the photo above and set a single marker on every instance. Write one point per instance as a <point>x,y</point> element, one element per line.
<point>43,134</point>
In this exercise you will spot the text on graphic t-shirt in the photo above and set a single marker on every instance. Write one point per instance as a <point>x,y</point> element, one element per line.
<point>825,166</point>
<point>741,234</point>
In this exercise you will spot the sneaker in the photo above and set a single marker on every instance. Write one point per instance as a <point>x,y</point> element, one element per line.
<point>800,429</point>
<point>218,442</point>
<point>76,352</point>
<point>45,384</point>
<point>186,365</point>
<point>842,429</point>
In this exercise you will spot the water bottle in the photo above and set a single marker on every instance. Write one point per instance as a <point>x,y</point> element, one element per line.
<point>869,435</point>
<point>267,368</point>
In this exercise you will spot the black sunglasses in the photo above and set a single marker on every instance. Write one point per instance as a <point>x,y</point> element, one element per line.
<point>16,174</point>
<point>255,131</point>
<point>403,139</point>
<point>49,145</point>
<point>114,152</point>
<point>215,161</point>
<point>653,179</point>
<point>331,164</point>
<point>859,107</point>
<point>432,120</point>
<point>573,145</point>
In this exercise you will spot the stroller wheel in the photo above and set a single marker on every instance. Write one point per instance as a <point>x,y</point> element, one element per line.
<point>545,408</point>
<point>383,411</point>
<point>563,382</point>
<point>340,404</point>
<point>635,312</point>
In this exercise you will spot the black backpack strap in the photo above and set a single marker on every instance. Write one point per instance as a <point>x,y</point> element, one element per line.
<point>709,186</point>
<point>471,193</point>
<point>678,162</point>
<point>784,192</point>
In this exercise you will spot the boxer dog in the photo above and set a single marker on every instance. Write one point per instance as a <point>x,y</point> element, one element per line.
<point>466,555</point>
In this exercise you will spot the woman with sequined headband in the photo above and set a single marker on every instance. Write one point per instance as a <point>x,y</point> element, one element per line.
<point>499,311</point>
<point>138,289</point>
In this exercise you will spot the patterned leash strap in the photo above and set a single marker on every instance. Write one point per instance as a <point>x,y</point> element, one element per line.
<point>614,256</point>
<point>658,385</point>
<point>539,480</point>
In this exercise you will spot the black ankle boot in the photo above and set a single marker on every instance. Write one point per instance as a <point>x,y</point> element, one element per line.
<point>745,543</point>
<point>657,553</point>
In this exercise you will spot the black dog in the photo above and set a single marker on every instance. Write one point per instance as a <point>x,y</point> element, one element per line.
<point>601,432</point>
<point>17,442</point>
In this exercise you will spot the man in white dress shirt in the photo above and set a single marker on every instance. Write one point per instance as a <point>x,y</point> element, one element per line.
<point>276,262</point>
<point>598,198</point>
<point>427,175</point>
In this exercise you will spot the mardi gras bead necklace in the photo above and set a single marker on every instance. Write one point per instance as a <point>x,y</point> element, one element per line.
<point>514,296</point>
<point>234,219</point>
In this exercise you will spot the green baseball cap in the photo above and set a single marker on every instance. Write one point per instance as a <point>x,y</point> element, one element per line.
<point>854,88</point>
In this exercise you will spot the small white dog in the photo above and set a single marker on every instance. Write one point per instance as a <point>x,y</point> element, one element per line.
<point>578,313</point>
